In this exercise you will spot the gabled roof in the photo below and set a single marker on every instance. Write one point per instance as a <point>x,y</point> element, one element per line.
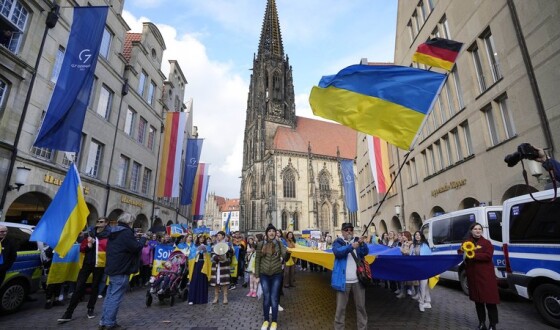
<point>324,138</point>
<point>127,48</point>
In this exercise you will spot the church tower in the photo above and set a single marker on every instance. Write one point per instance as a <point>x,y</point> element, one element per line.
<point>291,174</point>
<point>270,104</point>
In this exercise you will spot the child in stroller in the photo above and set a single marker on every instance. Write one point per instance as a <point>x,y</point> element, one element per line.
<point>170,281</point>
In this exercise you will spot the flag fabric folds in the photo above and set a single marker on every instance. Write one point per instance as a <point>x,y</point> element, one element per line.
<point>438,52</point>
<point>62,126</point>
<point>387,263</point>
<point>379,163</point>
<point>387,101</point>
<point>200,188</point>
<point>65,269</point>
<point>194,148</point>
<point>170,163</point>
<point>347,168</point>
<point>65,217</point>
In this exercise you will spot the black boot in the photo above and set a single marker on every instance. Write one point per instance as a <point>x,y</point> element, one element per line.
<point>482,326</point>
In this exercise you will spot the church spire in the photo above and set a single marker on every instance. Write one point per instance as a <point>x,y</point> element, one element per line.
<point>271,38</point>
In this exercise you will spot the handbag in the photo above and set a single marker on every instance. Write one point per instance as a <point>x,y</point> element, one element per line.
<point>363,270</point>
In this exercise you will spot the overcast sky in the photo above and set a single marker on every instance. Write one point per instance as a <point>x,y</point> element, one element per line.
<point>214,42</point>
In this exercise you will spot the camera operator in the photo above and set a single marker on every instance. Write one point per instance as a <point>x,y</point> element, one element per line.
<point>549,164</point>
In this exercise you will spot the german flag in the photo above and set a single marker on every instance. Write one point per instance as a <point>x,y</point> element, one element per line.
<point>438,52</point>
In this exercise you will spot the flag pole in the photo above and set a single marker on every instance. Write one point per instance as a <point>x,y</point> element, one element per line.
<point>387,193</point>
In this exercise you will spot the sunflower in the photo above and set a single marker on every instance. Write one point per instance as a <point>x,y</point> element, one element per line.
<point>468,246</point>
<point>470,254</point>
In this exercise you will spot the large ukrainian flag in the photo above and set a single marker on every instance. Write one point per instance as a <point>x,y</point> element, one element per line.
<point>387,101</point>
<point>65,217</point>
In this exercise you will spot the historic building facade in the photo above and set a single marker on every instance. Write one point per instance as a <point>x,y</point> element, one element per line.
<point>119,156</point>
<point>501,93</point>
<point>291,173</point>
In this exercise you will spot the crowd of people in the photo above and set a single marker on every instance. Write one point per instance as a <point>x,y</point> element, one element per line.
<point>260,263</point>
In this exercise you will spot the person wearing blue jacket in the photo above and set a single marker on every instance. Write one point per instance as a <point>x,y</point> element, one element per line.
<point>420,247</point>
<point>123,259</point>
<point>345,279</point>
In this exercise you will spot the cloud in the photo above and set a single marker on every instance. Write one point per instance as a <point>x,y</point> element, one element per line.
<point>219,103</point>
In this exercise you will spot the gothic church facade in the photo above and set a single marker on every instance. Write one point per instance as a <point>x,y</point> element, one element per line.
<point>291,165</point>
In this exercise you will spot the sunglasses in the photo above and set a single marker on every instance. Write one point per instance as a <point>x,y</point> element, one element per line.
<point>100,221</point>
<point>348,229</point>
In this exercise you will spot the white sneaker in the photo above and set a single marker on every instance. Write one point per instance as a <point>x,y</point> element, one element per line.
<point>401,295</point>
<point>280,309</point>
<point>416,297</point>
<point>421,307</point>
<point>100,297</point>
<point>397,291</point>
<point>409,292</point>
<point>427,305</point>
<point>264,325</point>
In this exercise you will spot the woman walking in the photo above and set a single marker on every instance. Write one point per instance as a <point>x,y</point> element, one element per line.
<point>483,286</point>
<point>268,268</point>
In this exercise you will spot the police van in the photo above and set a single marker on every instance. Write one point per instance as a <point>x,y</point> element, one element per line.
<point>531,245</point>
<point>25,275</point>
<point>445,234</point>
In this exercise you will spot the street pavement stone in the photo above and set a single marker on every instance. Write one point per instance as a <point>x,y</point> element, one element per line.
<point>310,305</point>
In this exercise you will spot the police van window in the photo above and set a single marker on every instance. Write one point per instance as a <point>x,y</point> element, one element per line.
<point>535,222</point>
<point>495,225</point>
<point>21,239</point>
<point>460,227</point>
<point>440,231</point>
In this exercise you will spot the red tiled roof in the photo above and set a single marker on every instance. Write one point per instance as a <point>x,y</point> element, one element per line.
<point>219,200</point>
<point>127,48</point>
<point>230,205</point>
<point>324,137</point>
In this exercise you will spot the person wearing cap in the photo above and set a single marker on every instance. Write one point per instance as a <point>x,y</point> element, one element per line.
<point>123,258</point>
<point>268,268</point>
<point>345,279</point>
<point>8,253</point>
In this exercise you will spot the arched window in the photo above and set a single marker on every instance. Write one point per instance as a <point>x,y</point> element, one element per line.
<point>296,221</point>
<point>289,185</point>
<point>284,221</point>
<point>324,182</point>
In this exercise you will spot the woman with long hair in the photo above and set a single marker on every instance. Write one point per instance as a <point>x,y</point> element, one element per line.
<point>268,268</point>
<point>198,287</point>
<point>221,276</point>
<point>420,247</point>
<point>483,286</point>
<point>290,266</point>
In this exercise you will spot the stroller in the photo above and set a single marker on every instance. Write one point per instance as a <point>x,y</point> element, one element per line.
<point>171,282</point>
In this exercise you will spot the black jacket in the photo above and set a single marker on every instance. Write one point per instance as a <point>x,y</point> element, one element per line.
<point>123,251</point>
<point>9,255</point>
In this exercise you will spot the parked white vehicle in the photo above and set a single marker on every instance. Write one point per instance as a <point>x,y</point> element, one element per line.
<point>446,232</point>
<point>531,245</point>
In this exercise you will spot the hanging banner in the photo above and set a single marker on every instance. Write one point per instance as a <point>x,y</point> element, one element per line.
<point>194,148</point>
<point>62,126</point>
<point>347,168</point>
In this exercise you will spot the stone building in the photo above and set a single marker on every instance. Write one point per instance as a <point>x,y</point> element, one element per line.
<point>291,173</point>
<point>118,160</point>
<point>502,92</point>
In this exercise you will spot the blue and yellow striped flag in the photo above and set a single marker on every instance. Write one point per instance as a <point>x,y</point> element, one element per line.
<point>65,217</point>
<point>387,101</point>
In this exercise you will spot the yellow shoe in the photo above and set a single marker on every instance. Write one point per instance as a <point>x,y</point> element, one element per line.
<point>265,325</point>
<point>273,326</point>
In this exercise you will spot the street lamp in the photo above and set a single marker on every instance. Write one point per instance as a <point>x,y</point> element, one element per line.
<point>22,173</point>
<point>398,214</point>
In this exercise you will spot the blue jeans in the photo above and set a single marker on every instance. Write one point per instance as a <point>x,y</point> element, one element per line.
<point>271,293</point>
<point>118,285</point>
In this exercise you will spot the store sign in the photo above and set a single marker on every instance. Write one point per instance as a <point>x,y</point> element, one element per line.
<point>128,200</point>
<point>448,186</point>
<point>58,182</point>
